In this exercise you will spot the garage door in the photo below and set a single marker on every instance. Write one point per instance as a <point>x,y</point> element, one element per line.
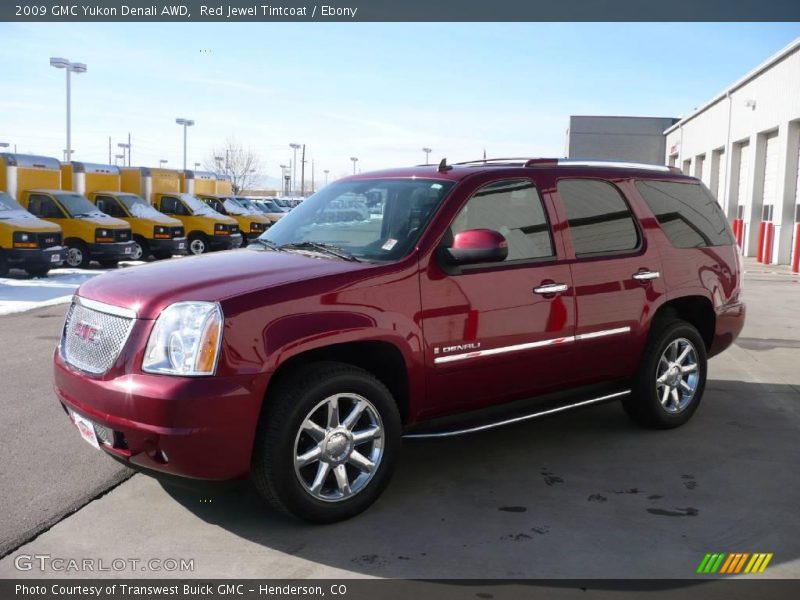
<point>719,192</point>
<point>770,193</point>
<point>796,240</point>
<point>744,167</point>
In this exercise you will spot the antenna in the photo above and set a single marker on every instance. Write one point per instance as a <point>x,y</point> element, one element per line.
<point>443,166</point>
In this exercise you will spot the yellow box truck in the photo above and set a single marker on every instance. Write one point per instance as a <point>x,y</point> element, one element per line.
<point>154,233</point>
<point>224,185</point>
<point>205,228</point>
<point>88,233</point>
<point>252,222</point>
<point>26,241</point>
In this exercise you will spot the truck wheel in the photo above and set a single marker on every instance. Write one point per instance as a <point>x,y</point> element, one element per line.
<point>671,379</point>
<point>140,249</point>
<point>327,442</point>
<point>38,271</point>
<point>77,254</point>
<point>198,243</point>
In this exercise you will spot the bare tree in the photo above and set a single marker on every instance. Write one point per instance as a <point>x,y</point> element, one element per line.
<point>241,164</point>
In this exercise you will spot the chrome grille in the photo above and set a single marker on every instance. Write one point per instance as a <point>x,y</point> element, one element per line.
<point>94,334</point>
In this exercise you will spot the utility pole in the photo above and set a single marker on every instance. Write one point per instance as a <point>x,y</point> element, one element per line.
<point>129,148</point>
<point>303,173</point>
<point>312,175</point>
<point>109,149</point>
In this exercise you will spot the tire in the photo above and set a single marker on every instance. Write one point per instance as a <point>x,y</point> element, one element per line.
<point>77,255</point>
<point>38,271</point>
<point>281,440</point>
<point>140,248</point>
<point>198,244</point>
<point>666,393</point>
<point>3,264</point>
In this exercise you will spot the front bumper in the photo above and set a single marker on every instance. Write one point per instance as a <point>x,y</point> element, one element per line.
<point>111,250</point>
<point>171,246</point>
<point>191,427</point>
<point>226,242</point>
<point>37,257</point>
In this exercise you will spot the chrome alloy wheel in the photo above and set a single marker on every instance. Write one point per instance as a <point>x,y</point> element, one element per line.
<point>335,457</point>
<point>74,256</point>
<point>138,251</point>
<point>197,246</point>
<point>677,375</point>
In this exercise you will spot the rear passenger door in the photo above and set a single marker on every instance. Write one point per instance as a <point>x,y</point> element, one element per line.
<point>616,274</point>
<point>493,333</point>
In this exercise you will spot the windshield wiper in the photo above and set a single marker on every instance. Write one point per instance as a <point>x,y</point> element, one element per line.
<point>331,249</point>
<point>267,244</point>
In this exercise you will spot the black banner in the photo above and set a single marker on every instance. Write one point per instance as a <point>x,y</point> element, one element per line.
<point>401,10</point>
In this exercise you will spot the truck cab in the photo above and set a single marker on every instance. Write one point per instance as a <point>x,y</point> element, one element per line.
<point>252,222</point>
<point>153,233</point>
<point>26,241</point>
<point>206,228</point>
<point>89,234</point>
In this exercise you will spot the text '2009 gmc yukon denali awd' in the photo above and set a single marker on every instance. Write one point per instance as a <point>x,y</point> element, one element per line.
<point>460,298</point>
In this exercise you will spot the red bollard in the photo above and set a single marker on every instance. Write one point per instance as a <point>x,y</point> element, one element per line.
<point>761,231</point>
<point>768,237</point>
<point>796,261</point>
<point>738,231</point>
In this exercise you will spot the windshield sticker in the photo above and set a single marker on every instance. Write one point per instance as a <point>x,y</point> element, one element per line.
<point>390,243</point>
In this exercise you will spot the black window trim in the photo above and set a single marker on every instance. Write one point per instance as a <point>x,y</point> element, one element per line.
<point>629,252</point>
<point>506,264</point>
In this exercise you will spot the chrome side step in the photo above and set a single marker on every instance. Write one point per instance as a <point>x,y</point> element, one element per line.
<point>536,415</point>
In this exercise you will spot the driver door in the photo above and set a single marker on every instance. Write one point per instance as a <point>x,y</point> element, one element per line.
<point>501,331</point>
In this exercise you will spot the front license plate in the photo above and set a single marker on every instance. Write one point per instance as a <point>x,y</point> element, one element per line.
<point>55,258</point>
<point>181,246</point>
<point>86,429</point>
<point>128,250</point>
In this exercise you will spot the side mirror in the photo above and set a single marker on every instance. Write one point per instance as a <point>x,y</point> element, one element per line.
<point>477,246</point>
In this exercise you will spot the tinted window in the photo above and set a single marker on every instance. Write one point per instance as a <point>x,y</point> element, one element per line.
<point>110,206</point>
<point>688,214</point>
<point>44,206</point>
<point>513,208</point>
<point>599,218</point>
<point>172,206</point>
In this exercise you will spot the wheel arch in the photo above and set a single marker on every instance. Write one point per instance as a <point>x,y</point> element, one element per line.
<point>694,309</point>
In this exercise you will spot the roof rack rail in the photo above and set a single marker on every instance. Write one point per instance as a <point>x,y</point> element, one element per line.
<point>565,162</point>
<point>523,161</point>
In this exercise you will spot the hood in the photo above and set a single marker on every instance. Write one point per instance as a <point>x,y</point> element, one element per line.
<point>148,289</point>
<point>159,219</point>
<point>102,220</point>
<point>25,221</point>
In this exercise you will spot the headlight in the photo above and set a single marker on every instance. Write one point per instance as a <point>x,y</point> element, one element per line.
<point>24,240</point>
<point>185,340</point>
<point>161,232</point>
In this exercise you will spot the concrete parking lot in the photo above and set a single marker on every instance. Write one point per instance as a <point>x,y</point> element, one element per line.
<point>584,494</point>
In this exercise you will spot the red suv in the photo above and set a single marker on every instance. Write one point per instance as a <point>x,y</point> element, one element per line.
<point>462,297</point>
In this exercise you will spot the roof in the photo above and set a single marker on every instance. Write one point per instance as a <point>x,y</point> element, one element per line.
<point>83,167</point>
<point>458,171</point>
<point>765,66</point>
<point>31,161</point>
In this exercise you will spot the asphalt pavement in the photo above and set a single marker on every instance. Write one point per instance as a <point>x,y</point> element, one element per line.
<point>584,494</point>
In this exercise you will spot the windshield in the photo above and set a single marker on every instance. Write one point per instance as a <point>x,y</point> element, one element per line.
<point>234,207</point>
<point>271,206</point>
<point>378,219</point>
<point>197,206</point>
<point>138,206</point>
<point>249,205</point>
<point>8,203</point>
<point>78,206</point>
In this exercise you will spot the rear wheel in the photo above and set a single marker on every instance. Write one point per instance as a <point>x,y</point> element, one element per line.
<point>671,378</point>
<point>327,443</point>
<point>198,243</point>
<point>77,254</point>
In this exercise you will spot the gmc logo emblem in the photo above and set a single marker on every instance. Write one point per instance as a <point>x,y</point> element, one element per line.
<point>86,332</point>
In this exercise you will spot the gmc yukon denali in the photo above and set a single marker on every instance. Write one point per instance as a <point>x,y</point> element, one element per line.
<point>454,299</point>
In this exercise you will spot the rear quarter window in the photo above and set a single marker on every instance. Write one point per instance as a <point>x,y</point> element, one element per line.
<point>687,213</point>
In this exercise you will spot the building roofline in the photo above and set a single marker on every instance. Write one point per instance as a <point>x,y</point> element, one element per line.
<point>749,76</point>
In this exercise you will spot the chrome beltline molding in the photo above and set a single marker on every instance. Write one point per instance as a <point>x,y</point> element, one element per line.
<point>530,345</point>
<point>536,415</point>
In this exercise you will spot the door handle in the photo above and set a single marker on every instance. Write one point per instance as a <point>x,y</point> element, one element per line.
<point>550,288</point>
<point>646,275</point>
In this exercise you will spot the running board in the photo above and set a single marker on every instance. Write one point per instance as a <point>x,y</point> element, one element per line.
<point>536,415</point>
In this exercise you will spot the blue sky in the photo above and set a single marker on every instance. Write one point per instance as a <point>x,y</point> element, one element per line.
<point>376,91</point>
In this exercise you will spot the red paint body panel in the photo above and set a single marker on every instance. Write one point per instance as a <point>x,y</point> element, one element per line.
<point>278,305</point>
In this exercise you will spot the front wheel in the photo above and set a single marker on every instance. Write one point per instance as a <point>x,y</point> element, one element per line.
<point>140,248</point>
<point>77,255</point>
<point>198,244</point>
<point>327,443</point>
<point>671,378</point>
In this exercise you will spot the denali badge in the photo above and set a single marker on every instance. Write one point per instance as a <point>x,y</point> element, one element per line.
<point>458,348</point>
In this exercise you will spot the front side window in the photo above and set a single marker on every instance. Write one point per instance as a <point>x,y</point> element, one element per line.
<point>600,221</point>
<point>44,206</point>
<point>513,208</point>
<point>110,206</point>
<point>338,215</point>
<point>687,213</point>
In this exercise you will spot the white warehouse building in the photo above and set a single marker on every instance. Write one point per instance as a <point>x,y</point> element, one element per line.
<point>745,146</point>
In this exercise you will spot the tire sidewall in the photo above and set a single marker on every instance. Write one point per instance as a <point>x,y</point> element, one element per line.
<point>280,441</point>
<point>645,385</point>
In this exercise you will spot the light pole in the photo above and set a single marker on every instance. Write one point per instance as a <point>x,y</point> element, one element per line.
<point>355,160</point>
<point>427,152</point>
<point>326,171</point>
<point>218,159</point>
<point>186,123</point>
<point>124,148</point>
<point>284,185</point>
<point>117,157</point>
<point>68,157</point>
<point>162,162</point>
<point>70,67</point>
<point>294,147</point>
<point>196,166</point>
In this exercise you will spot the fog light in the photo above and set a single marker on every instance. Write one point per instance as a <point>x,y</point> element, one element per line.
<point>104,434</point>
